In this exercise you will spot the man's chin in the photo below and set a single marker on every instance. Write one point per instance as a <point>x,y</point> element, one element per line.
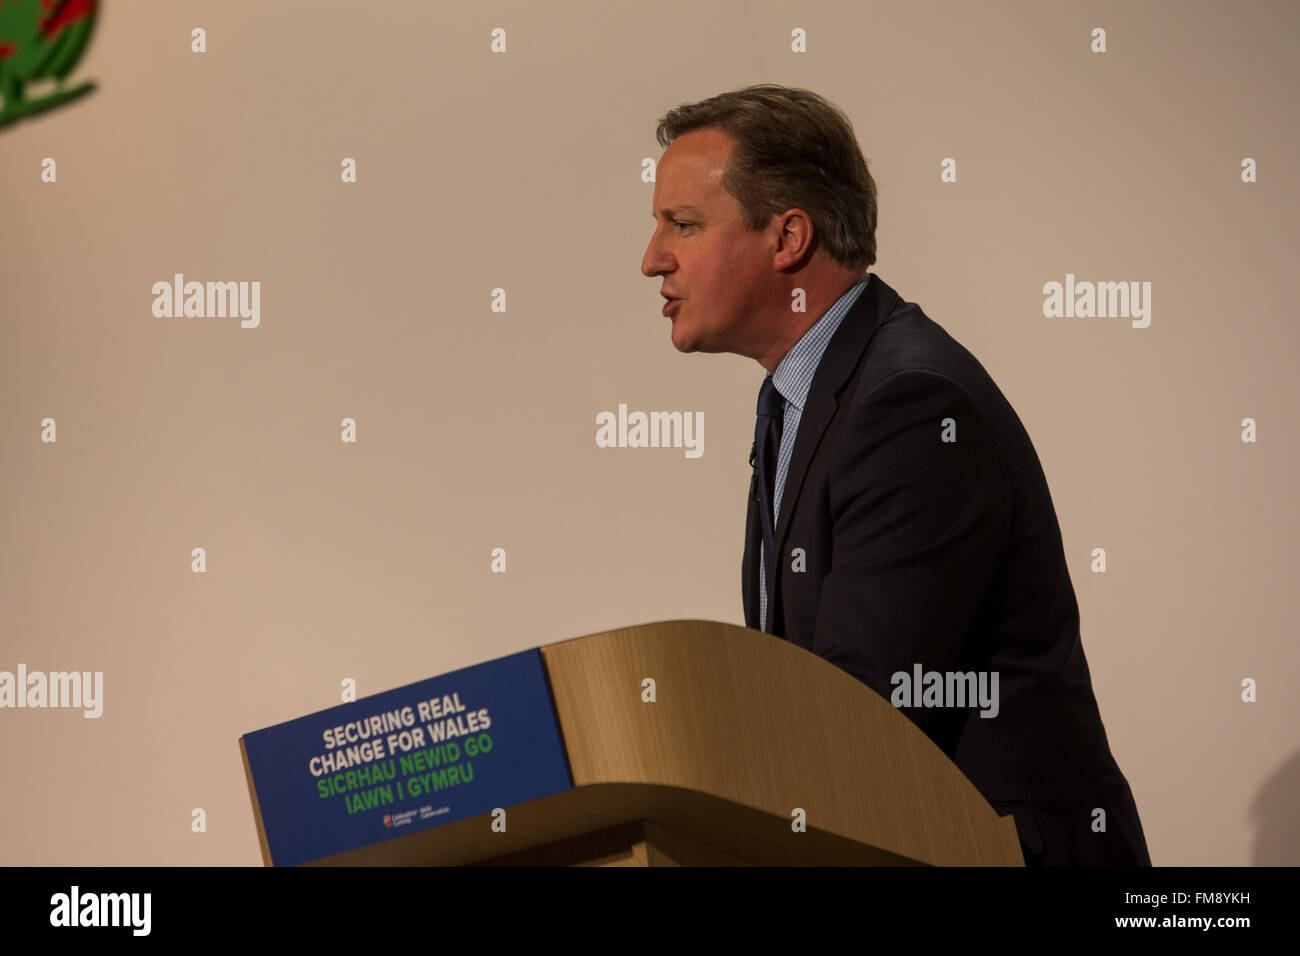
<point>682,342</point>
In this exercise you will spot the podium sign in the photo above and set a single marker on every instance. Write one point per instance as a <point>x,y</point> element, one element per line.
<point>405,760</point>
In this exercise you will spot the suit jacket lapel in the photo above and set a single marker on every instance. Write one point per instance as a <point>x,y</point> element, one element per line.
<point>749,563</point>
<point>841,357</point>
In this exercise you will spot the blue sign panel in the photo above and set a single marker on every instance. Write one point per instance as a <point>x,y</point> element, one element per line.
<point>416,757</point>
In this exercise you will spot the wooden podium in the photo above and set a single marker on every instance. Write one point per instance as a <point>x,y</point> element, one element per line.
<point>745,730</point>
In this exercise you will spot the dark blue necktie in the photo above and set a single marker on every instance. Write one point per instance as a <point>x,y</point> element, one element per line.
<point>767,444</point>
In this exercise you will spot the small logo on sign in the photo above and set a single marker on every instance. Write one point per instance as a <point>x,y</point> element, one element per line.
<point>41,40</point>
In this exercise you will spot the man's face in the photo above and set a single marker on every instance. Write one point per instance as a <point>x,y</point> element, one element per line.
<point>719,270</point>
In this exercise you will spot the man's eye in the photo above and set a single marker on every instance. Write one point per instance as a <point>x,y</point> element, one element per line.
<point>676,224</point>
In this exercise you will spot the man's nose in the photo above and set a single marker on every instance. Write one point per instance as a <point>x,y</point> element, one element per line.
<point>652,263</point>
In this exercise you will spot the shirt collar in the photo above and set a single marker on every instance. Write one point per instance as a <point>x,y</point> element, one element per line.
<point>793,376</point>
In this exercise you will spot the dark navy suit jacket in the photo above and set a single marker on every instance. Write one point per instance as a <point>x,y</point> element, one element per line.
<point>946,554</point>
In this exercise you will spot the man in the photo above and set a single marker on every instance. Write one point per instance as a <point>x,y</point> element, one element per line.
<point>908,520</point>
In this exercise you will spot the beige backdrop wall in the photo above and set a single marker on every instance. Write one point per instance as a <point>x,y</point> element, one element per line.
<point>523,170</point>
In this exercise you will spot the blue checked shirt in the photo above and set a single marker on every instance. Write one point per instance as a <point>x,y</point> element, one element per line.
<point>792,379</point>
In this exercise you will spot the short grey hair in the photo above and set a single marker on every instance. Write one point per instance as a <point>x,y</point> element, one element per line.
<point>794,150</point>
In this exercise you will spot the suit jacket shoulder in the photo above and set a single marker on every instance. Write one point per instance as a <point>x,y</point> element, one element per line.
<point>917,530</point>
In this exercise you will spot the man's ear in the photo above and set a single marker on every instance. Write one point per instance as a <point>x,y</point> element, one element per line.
<point>795,235</point>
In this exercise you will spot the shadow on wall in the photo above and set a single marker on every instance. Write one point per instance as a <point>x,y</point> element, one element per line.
<point>1277,834</point>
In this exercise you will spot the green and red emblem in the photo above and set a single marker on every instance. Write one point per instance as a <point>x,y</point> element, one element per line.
<point>41,40</point>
